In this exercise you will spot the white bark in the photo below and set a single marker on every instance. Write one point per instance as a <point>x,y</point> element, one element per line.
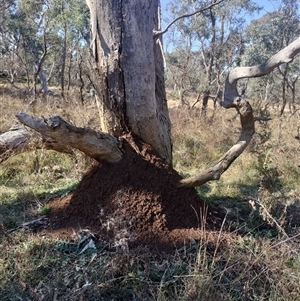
<point>286,55</point>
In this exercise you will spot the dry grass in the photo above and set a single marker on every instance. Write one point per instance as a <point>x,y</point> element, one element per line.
<point>199,142</point>
<point>258,260</point>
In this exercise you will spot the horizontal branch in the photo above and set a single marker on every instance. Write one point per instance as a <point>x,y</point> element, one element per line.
<point>100,146</point>
<point>286,55</point>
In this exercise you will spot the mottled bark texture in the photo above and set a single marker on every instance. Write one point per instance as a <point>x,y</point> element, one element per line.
<point>18,140</point>
<point>100,146</point>
<point>127,71</point>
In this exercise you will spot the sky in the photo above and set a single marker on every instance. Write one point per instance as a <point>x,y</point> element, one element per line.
<point>269,6</point>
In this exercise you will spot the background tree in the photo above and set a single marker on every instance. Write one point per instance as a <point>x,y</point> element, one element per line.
<point>69,24</point>
<point>9,59</point>
<point>264,37</point>
<point>30,27</point>
<point>41,40</point>
<point>183,72</point>
<point>215,38</point>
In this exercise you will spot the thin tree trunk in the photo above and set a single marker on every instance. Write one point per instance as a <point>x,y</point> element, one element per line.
<point>63,63</point>
<point>81,78</point>
<point>70,70</point>
<point>39,64</point>
<point>283,86</point>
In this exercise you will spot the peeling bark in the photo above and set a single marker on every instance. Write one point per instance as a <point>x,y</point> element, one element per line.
<point>126,68</point>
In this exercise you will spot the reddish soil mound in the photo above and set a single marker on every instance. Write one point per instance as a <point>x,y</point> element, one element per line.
<point>135,201</point>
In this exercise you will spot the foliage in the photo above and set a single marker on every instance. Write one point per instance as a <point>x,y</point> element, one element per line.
<point>212,43</point>
<point>263,38</point>
<point>40,38</point>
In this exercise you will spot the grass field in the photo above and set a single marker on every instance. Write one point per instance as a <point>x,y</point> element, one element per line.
<point>258,260</point>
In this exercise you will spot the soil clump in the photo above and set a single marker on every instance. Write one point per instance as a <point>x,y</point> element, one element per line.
<point>135,201</point>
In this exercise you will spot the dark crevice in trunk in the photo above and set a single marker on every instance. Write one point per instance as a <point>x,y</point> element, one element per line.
<point>118,95</point>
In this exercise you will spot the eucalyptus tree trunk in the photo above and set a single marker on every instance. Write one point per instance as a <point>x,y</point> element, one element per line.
<point>127,70</point>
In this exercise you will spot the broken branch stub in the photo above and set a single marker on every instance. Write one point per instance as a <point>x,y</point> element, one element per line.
<point>13,142</point>
<point>100,146</point>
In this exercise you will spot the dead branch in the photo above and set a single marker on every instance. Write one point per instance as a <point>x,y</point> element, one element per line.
<point>214,173</point>
<point>18,140</point>
<point>100,146</point>
<point>232,99</point>
<point>286,55</point>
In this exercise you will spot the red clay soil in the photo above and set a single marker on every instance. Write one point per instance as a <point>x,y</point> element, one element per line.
<point>134,201</point>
